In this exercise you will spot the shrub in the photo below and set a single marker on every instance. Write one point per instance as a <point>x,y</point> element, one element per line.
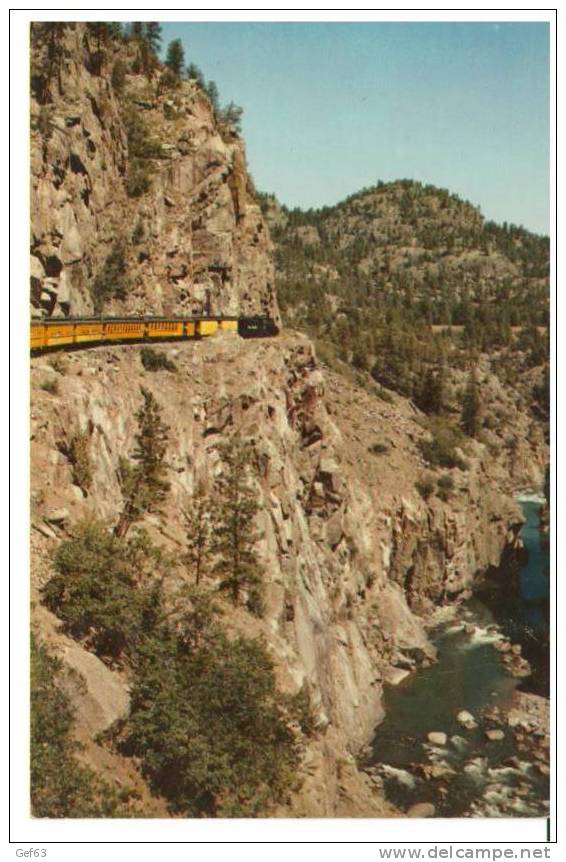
<point>118,77</point>
<point>378,448</point>
<point>104,590</point>
<point>51,386</point>
<point>140,143</point>
<point>77,453</point>
<point>138,179</point>
<point>60,785</point>
<point>59,363</point>
<point>208,725</point>
<point>156,360</point>
<point>110,282</point>
<point>425,487</point>
<point>445,488</point>
<point>441,451</point>
<point>301,709</point>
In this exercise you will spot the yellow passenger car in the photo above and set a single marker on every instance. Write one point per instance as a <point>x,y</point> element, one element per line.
<point>164,329</point>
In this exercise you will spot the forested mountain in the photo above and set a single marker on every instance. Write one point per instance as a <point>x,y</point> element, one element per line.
<point>379,278</point>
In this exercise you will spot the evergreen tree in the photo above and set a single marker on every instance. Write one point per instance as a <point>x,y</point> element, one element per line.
<point>471,407</point>
<point>197,522</point>
<point>152,32</point>
<point>143,483</point>
<point>430,397</point>
<point>212,92</point>
<point>235,535</point>
<point>175,59</point>
<point>195,74</point>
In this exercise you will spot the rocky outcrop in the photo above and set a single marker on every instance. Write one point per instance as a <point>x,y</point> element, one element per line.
<point>353,555</point>
<point>193,241</point>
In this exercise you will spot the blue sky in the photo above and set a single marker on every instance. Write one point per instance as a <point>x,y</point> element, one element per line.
<point>330,108</point>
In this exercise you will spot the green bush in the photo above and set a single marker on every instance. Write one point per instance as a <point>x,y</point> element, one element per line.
<point>118,77</point>
<point>425,487</point>
<point>60,785</point>
<point>138,179</point>
<point>209,727</point>
<point>156,360</point>
<point>378,448</point>
<point>445,488</point>
<point>51,386</point>
<point>111,280</point>
<point>441,450</point>
<point>104,589</point>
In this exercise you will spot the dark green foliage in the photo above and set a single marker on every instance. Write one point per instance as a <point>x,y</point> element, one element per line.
<point>235,535</point>
<point>441,451</point>
<point>175,59</point>
<point>198,531</point>
<point>430,398</point>
<point>195,74</point>
<point>231,114</point>
<point>104,589</point>
<point>138,179</point>
<point>208,725</point>
<point>378,448</point>
<point>168,81</point>
<point>211,91</point>
<point>143,483</point>
<point>110,282</point>
<point>118,77</point>
<point>445,487</point>
<point>60,785</point>
<point>385,298</point>
<point>140,143</point>
<point>206,721</point>
<point>153,35</point>
<point>471,407</point>
<point>301,709</point>
<point>425,487</point>
<point>156,360</point>
<point>76,449</point>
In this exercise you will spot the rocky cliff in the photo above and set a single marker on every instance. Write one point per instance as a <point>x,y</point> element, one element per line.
<point>354,557</point>
<point>143,170</point>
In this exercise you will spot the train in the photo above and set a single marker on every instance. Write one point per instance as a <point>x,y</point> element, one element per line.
<point>62,332</point>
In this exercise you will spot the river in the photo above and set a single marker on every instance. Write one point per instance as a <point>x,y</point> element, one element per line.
<point>471,775</point>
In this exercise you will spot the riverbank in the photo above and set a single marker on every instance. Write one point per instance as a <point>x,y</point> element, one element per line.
<point>460,737</point>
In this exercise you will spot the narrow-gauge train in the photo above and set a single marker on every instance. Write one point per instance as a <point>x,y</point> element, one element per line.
<point>58,332</point>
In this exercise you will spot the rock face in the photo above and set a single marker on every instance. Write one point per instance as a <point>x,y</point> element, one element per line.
<point>353,556</point>
<point>195,240</point>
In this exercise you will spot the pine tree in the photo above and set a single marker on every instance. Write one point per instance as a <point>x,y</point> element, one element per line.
<point>152,32</point>
<point>471,407</point>
<point>235,535</point>
<point>212,92</point>
<point>430,398</point>
<point>175,59</point>
<point>197,523</point>
<point>143,484</point>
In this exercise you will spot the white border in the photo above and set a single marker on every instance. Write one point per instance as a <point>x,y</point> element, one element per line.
<point>29,831</point>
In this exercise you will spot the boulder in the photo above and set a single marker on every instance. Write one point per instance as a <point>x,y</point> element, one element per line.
<point>437,737</point>
<point>466,719</point>
<point>495,734</point>
<point>421,809</point>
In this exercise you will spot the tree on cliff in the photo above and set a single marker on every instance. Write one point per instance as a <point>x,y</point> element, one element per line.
<point>431,396</point>
<point>471,407</point>
<point>198,528</point>
<point>143,483</point>
<point>175,59</point>
<point>235,535</point>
